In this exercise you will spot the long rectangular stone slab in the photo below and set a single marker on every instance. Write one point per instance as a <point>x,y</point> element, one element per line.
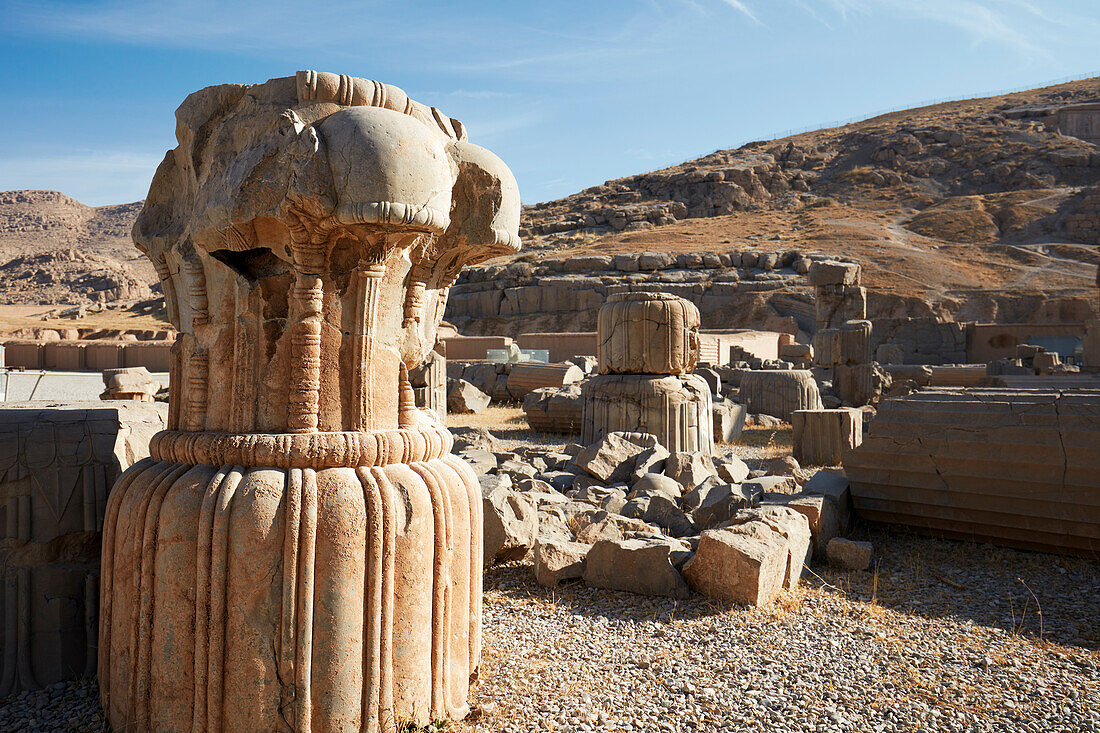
<point>1011,467</point>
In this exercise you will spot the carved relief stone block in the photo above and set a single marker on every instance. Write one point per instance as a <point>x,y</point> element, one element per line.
<point>56,466</point>
<point>301,551</point>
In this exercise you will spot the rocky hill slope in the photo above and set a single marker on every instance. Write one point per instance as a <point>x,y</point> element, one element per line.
<point>978,209</point>
<point>971,210</point>
<point>55,250</point>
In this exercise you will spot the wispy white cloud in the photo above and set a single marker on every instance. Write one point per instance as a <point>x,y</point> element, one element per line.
<point>1019,24</point>
<point>743,9</point>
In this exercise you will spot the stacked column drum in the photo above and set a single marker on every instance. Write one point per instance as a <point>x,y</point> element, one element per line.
<point>647,346</point>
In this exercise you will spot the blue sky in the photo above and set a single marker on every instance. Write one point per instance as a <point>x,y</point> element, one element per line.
<point>569,94</point>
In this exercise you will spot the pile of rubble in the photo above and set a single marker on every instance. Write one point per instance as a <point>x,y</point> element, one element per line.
<point>624,513</point>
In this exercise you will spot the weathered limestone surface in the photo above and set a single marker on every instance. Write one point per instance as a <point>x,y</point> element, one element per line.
<point>464,398</point>
<point>526,377</point>
<point>860,384</point>
<point>133,383</point>
<point>57,464</point>
<point>849,343</point>
<point>821,437</point>
<point>555,410</point>
<point>643,565</point>
<point>1015,468</point>
<point>729,420</point>
<point>779,392</point>
<point>301,550</point>
<point>647,333</point>
<point>429,383</point>
<point>677,409</point>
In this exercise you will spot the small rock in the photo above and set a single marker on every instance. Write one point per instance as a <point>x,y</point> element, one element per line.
<point>850,554</point>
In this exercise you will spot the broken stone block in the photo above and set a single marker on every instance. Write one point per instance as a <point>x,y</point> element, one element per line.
<point>792,525</point>
<point>772,484</point>
<point>779,392</point>
<point>647,333</point>
<point>711,377</point>
<point>860,384</point>
<point>609,459</point>
<point>822,515</point>
<point>1046,362</point>
<point>676,409</point>
<point>782,466</point>
<point>130,383</point>
<point>555,409</point>
<point>666,514</point>
<point>689,469</point>
<point>473,438</point>
<point>465,398</point>
<point>558,561</point>
<point>693,499</point>
<point>643,566</point>
<point>655,484</point>
<point>526,377</point>
<point>553,524</point>
<point>1005,466</point>
<point>603,525</point>
<point>729,420</point>
<point>482,461</point>
<point>731,469</point>
<point>517,469</point>
<point>833,485</point>
<point>511,524</point>
<point>821,437</point>
<point>850,554</point>
<point>721,503</point>
<point>651,460</point>
<point>848,343</point>
<point>744,564</point>
<point>606,497</point>
<point>833,272</point>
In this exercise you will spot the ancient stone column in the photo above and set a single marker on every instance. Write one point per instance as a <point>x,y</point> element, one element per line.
<point>779,392</point>
<point>822,437</point>
<point>301,551</point>
<point>647,345</point>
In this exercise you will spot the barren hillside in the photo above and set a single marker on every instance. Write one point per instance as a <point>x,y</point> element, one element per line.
<point>55,250</point>
<point>971,210</point>
<point>976,209</point>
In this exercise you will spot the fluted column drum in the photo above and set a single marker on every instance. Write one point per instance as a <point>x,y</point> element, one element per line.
<point>779,392</point>
<point>647,333</point>
<point>676,409</point>
<point>301,551</point>
<point>295,597</point>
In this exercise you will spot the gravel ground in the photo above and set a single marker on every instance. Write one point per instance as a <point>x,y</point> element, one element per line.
<point>944,636</point>
<point>64,707</point>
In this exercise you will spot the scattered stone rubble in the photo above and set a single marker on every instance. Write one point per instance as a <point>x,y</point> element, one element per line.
<point>624,513</point>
